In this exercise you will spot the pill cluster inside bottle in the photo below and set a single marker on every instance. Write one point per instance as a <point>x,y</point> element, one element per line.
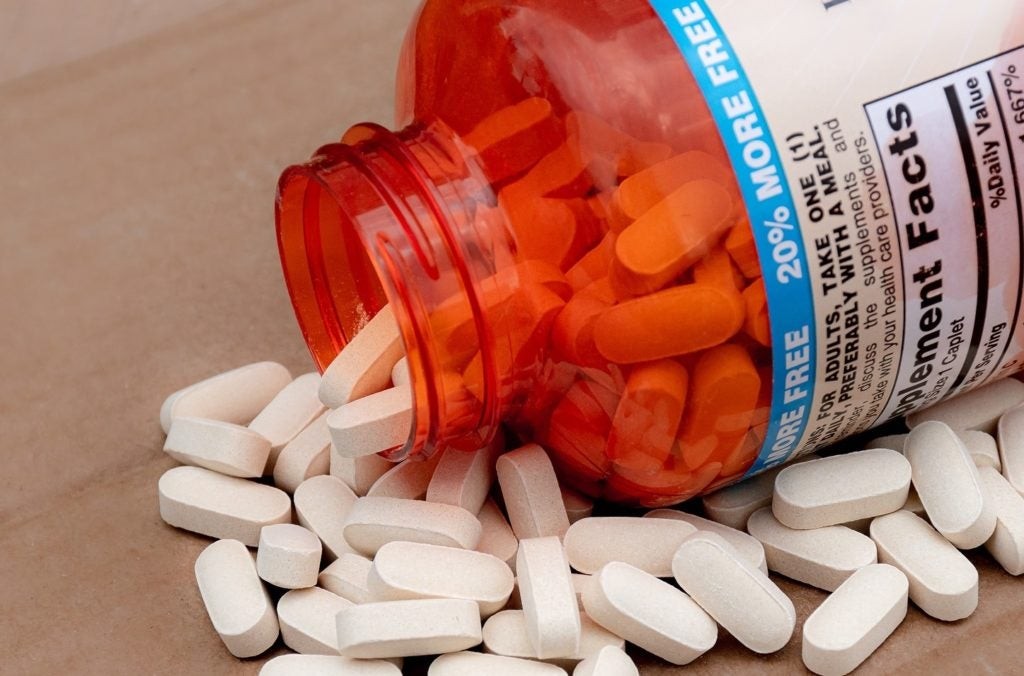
<point>484,561</point>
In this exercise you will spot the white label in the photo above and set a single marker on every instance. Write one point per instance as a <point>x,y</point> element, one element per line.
<point>883,194</point>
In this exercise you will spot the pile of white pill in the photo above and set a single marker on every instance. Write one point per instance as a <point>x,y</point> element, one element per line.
<point>372,561</point>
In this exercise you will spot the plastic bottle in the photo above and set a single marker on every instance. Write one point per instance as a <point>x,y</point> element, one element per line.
<point>563,227</point>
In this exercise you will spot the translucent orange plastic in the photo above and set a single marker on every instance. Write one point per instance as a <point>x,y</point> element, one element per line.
<point>559,234</point>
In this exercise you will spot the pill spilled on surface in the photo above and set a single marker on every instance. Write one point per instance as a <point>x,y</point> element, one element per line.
<point>486,560</point>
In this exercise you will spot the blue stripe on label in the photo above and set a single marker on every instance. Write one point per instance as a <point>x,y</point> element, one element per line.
<point>758,167</point>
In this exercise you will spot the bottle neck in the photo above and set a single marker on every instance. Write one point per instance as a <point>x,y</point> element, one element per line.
<point>404,219</point>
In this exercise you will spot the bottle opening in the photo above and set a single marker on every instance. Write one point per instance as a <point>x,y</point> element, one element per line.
<point>373,223</point>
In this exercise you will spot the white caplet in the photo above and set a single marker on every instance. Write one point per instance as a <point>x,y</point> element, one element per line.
<point>413,570</point>
<point>290,412</point>
<point>841,488</point>
<point>947,481</point>
<point>982,448</point>
<point>1011,447</point>
<point>532,495</point>
<point>288,556</point>
<point>359,473</point>
<point>821,557</point>
<point>348,577</point>
<point>321,505</point>
<point>739,596</point>
<point>327,665</point>
<point>408,628</point>
<point>746,545</point>
<point>548,598</point>
<point>305,456</point>
<point>649,613</point>
<point>307,620</point>
<point>205,502</point>
<point>647,544</point>
<point>1007,542</point>
<point>235,396</point>
<point>505,634</point>
<point>609,661</point>
<point>854,620</point>
<point>475,664</point>
<point>373,522</point>
<point>943,583</point>
<point>364,366</point>
<point>223,447</point>
<point>732,506</point>
<point>235,598</point>
<point>378,422</point>
<point>496,536</point>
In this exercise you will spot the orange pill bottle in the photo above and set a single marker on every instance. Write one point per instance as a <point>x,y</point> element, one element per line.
<point>677,242</point>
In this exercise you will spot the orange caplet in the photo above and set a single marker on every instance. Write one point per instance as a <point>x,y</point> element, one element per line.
<point>756,323</point>
<point>641,191</point>
<point>679,320</point>
<point>723,396</point>
<point>671,236</point>
<point>740,245</point>
<point>648,415</point>
<point>514,138</point>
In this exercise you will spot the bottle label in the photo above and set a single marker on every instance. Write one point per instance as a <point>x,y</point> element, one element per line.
<point>878,147</point>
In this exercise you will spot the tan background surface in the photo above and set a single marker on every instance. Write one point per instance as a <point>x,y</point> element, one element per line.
<point>137,255</point>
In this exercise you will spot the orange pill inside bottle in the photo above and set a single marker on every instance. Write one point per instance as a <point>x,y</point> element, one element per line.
<point>559,228</point>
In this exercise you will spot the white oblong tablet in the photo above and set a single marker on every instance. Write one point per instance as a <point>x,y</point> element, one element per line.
<point>982,448</point>
<point>533,498</point>
<point>649,613</point>
<point>496,536</point>
<point>376,423</point>
<point>464,478</point>
<point>408,479</point>
<point>305,456</point>
<point>223,447</point>
<point>307,620</point>
<point>364,366</point>
<point>359,473</point>
<point>1007,542</point>
<point>412,570</point>
<point>609,661</point>
<point>820,557</point>
<point>348,577</point>
<point>220,506</point>
<point>1011,447</point>
<point>577,505</point>
<point>408,628</point>
<point>290,412</point>
<point>373,522</point>
<point>235,598</point>
<point>400,373</point>
<point>327,665</point>
<point>732,506</point>
<point>841,488</point>
<point>855,620</point>
<point>946,480</point>
<point>475,664</point>
<point>234,396</point>
<point>321,505</point>
<point>288,556</point>
<point>943,583</point>
<point>891,441</point>
<point>978,409</point>
<point>647,544</point>
<point>505,633</point>
<point>740,597</point>
<point>548,598</point>
<point>746,546</point>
